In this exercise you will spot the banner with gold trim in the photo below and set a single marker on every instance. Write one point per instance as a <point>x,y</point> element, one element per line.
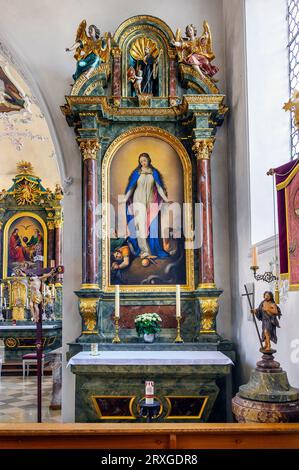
<point>287,186</point>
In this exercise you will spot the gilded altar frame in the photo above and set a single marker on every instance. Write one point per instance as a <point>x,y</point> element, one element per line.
<point>147,131</point>
<point>8,224</point>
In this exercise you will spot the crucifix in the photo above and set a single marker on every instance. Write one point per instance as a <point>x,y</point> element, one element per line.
<point>35,283</point>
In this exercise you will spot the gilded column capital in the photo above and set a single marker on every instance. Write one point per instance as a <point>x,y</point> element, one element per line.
<point>203,148</point>
<point>50,224</point>
<point>58,223</point>
<point>89,149</point>
<point>116,52</point>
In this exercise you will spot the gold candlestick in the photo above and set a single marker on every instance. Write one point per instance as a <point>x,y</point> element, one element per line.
<point>116,338</point>
<point>178,338</point>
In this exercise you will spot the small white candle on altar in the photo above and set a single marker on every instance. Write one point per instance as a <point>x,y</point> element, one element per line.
<point>1,290</point>
<point>178,301</point>
<point>254,261</point>
<point>149,392</point>
<point>117,301</point>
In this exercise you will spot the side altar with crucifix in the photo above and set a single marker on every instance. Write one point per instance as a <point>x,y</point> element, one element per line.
<point>145,109</point>
<point>31,220</point>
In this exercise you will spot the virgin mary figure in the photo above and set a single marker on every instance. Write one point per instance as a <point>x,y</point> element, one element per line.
<point>144,197</point>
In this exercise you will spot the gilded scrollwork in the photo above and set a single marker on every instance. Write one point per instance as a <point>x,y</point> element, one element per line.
<point>88,310</point>
<point>209,308</point>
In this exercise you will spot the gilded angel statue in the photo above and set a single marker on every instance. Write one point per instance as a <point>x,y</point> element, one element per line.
<point>196,51</point>
<point>91,49</point>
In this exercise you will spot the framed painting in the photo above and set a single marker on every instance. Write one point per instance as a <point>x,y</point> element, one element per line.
<point>147,212</point>
<point>24,244</point>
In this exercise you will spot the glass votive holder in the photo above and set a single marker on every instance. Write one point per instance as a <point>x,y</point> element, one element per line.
<point>94,349</point>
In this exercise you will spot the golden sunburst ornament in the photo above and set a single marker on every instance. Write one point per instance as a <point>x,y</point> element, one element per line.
<point>25,168</point>
<point>138,47</point>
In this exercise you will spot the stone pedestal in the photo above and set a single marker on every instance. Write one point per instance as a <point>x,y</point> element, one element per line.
<point>267,397</point>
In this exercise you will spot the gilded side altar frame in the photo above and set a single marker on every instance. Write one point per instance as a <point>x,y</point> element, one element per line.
<point>147,131</point>
<point>10,221</point>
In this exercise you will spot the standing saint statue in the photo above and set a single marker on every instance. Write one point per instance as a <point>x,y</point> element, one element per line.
<point>144,196</point>
<point>268,313</point>
<point>91,49</point>
<point>144,66</point>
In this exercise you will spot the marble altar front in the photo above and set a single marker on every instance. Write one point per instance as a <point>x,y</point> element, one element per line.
<point>110,385</point>
<point>20,339</point>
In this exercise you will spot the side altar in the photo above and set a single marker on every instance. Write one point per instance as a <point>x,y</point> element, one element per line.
<point>31,219</point>
<point>145,109</point>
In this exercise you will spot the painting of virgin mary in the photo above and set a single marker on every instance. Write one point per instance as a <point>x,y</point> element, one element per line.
<point>144,196</point>
<point>146,246</point>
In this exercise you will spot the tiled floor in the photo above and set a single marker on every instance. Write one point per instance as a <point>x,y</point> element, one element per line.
<point>18,400</point>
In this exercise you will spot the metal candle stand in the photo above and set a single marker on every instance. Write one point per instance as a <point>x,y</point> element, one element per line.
<point>150,411</point>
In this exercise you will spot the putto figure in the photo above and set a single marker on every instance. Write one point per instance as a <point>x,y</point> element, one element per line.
<point>196,51</point>
<point>268,313</point>
<point>91,49</point>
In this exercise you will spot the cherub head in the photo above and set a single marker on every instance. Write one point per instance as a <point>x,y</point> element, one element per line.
<point>117,255</point>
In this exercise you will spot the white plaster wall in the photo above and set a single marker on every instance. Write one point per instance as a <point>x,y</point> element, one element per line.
<point>268,89</point>
<point>39,32</point>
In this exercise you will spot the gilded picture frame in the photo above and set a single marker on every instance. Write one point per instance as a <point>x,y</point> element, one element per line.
<point>174,142</point>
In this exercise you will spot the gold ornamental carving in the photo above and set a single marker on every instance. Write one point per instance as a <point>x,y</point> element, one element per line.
<point>89,149</point>
<point>88,310</point>
<point>203,148</point>
<point>209,309</point>
<point>26,192</point>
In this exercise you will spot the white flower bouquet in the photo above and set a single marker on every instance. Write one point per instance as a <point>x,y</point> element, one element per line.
<point>148,323</point>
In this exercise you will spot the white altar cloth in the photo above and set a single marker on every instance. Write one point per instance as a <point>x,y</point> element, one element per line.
<point>162,357</point>
<point>26,327</point>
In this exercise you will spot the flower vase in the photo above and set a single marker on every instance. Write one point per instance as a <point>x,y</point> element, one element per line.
<point>149,337</point>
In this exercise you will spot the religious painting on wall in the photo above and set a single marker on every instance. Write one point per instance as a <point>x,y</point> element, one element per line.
<point>10,96</point>
<point>287,185</point>
<point>148,183</point>
<point>24,244</point>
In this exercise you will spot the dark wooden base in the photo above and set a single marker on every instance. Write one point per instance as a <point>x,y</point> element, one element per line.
<point>251,411</point>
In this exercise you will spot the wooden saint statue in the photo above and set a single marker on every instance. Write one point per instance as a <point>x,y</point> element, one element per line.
<point>268,313</point>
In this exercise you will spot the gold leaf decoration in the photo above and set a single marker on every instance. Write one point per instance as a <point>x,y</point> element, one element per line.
<point>25,168</point>
<point>137,50</point>
<point>26,192</point>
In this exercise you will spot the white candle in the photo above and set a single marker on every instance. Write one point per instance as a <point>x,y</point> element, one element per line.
<point>149,392</point>
<point>117,301</point>
<point>53,290</point>
<point>4,302</point>
<point>27,303</point>
<point>178,301</point>
<point>254,261</point>
<point>1,290</point>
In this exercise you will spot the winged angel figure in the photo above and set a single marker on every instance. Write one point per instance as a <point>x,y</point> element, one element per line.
<point>196,51</point>
<point>91,49</point>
